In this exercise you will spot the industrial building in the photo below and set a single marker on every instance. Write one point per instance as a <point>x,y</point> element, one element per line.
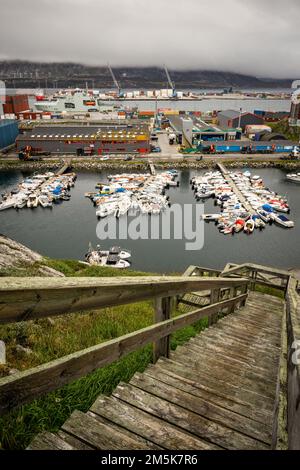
<point>192,130</point>
<point>8,132</point>
<point>236,119</point>
<point>247,147</point>
<point>87,140</point>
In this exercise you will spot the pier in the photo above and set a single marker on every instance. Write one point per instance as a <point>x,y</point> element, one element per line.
<point>66,165</point>
<point>235,189</point>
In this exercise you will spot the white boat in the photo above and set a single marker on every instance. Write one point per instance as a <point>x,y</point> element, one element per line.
<point>283,221</point>
<point>32,201</point>
<point>249,226</point>
<point>293,177</point>
<point>115,250</point>
<point>210,217</point>
<point>44,201</point>
<point>7,204</point>
<point>114,258</point>
<point>265,216</point>
<point>205,194</point>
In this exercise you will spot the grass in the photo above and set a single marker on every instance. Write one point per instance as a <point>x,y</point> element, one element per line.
<point>62,335</point>
<point>282,127</point>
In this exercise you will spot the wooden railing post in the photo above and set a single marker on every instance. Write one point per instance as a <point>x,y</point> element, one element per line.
<point>162,312</point>
<point>214,299</point>
<point>253,281</point>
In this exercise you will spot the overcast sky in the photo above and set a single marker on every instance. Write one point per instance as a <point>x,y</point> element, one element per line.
<point>258,37</point>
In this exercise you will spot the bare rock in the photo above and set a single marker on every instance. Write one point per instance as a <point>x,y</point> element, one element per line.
<point>21,351</point>
<point>15,255</point>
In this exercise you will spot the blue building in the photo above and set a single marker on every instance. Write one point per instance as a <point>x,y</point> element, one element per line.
<point>8,132</point>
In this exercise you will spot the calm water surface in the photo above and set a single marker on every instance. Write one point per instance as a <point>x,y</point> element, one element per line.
<point>66,230</point>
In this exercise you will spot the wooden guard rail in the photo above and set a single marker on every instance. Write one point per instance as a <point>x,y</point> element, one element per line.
<point>293,365</point>
<point>24,299</point>
<point>288,406</point>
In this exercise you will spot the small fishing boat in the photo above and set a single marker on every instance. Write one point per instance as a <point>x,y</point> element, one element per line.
<point>249,226</point>
<point>210,217</point>
<point>7,204</point>
<point>293,177</point>
<point>114,258</point>
<point>32,201</point>
<point>283,221</point>
<point>44,201</point>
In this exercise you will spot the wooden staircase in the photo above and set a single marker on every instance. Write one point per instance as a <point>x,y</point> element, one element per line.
<point>217,391</point>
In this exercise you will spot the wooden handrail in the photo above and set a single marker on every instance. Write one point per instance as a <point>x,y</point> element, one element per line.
<point>293,365</point>
<point>25,386</point>
<point>261,275</point>
<point>29,298</point>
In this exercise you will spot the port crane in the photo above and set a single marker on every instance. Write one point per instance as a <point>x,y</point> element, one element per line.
<point>171,83</point>
<point>117,85</point>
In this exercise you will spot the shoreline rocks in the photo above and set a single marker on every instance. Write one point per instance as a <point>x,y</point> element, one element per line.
<point>94,165</point>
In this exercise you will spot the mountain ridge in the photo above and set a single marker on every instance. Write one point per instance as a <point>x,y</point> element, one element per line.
<point>31,74</point>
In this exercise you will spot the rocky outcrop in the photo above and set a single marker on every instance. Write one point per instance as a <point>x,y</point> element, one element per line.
<point>15,255</point>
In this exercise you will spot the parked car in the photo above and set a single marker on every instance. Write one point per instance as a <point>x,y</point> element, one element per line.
<point>155,149</point>
<point>128,157</point>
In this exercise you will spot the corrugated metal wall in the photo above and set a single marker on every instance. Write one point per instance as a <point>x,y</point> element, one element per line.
<point>8,133</point>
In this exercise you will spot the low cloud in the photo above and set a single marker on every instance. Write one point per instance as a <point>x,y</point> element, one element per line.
<point>255,37</point>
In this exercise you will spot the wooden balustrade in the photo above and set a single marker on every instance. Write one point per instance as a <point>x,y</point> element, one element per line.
<point>29,298</point>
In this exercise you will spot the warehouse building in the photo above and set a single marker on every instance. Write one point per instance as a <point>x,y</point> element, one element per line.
<point>8,132</point>
<point>87,140</point>
<point>236,119</point>
<point>201,131</point>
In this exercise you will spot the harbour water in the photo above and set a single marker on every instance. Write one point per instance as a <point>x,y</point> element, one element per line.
<point>66,230</point>
<point>208,104</point>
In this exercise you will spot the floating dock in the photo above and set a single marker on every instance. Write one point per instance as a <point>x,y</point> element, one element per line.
<point>66,165</point>
<point>235,189</point>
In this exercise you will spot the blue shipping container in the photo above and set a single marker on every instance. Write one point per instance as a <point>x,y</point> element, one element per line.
<point>8,132</point>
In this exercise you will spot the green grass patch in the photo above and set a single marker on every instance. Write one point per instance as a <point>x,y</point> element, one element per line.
<point>270,291</point>
<point>59,336</point>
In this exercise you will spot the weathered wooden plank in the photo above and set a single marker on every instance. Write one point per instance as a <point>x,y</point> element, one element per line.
<point>176,391</point>
<point>188,420</point>
<point>150,427</point>
<point>211,390</point>
<point>227,373</point>
<point>262,340</point>
<point>29,298</point>
<point>234,389</point>
<point>259,365</point>
<point>99,435</point>
<point>49,441</point>
<point>73,441</point>
<point>237,349</point>
<point>25,386</point>
<point>109,422</point>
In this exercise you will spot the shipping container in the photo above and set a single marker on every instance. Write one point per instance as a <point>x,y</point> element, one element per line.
<point>16,104</point>
<point>8,133</point>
